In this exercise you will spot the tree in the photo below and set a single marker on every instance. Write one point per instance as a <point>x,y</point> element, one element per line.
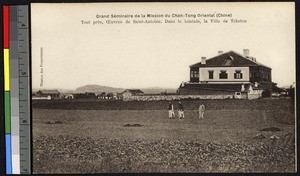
<point>275,88</point>
<point>292,92</point>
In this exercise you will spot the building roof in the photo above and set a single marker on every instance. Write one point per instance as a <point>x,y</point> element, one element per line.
<point>134,91</point>
<point>230,58</point>
<point>49,92</point>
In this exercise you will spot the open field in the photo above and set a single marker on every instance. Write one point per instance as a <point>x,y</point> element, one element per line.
<point>77,140</point>
<point>232,104</point>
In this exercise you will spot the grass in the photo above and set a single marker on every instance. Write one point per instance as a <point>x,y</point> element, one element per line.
<point>93,141</point>
<point>75,104</point>
<point>88,155</point>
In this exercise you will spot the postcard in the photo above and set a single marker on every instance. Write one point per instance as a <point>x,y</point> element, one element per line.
<point>163,87</point>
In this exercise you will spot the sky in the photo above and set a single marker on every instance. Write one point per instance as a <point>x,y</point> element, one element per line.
<point>153,55</point>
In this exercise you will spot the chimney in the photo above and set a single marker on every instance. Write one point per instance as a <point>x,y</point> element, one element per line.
<point>243,88</point>
<point>220,52</point>
<point>246,52</point>
<point>203,60</point>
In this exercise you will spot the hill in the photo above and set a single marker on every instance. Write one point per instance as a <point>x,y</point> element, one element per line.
<point>98,88</point>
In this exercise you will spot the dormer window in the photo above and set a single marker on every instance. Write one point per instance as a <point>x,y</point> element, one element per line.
<point>228,61</point>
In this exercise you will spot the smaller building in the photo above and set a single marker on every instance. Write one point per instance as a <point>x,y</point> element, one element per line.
<point>53,94</point>
<point>69,96</point>
<point>101,95</point>
<point>131,92</point>
<point>115,95</point>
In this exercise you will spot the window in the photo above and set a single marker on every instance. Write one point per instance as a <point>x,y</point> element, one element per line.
<point>210,74</point>
<point>194,74</point>
<point>268,77</point>
<point>238,74</point>
<point>223,75</point>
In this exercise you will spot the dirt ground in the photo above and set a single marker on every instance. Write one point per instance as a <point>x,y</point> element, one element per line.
<point>92,141</point>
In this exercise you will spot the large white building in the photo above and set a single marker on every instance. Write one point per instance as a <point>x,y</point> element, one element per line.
<point>228,73</point>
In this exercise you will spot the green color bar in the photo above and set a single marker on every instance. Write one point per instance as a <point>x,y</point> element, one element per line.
<point>7,112</point>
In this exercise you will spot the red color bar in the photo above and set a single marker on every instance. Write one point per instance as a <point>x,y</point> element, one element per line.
<point>6,27</point>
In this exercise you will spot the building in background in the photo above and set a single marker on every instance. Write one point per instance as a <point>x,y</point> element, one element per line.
<point>230,73</point>
<point>68,96</point>
<point>48,94</point>
<point>131,92</point>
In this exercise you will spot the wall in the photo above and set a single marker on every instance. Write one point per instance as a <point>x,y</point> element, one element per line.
<point>55,96</point>
<point>254,94</point>
<point>177,97</point>
<point>230,73</point>
<point>197,91</point>
<point>41,98</point>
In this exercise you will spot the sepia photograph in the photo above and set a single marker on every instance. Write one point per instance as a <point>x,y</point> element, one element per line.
<point>163,87</point>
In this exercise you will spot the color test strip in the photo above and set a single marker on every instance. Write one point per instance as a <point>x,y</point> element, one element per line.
<point>7,89</point>
<point>24,89</point>
<point>5,27</point>
<point>14,88</point>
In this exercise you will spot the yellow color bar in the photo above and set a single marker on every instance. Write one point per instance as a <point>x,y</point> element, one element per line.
<point>6,70</point>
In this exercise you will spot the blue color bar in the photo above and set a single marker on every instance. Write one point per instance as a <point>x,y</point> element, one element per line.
<point>8,153</point>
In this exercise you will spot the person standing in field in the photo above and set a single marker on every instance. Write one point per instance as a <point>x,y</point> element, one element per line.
<point>181,111</point>
<point>171,111</point>
<point>201,111</point>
